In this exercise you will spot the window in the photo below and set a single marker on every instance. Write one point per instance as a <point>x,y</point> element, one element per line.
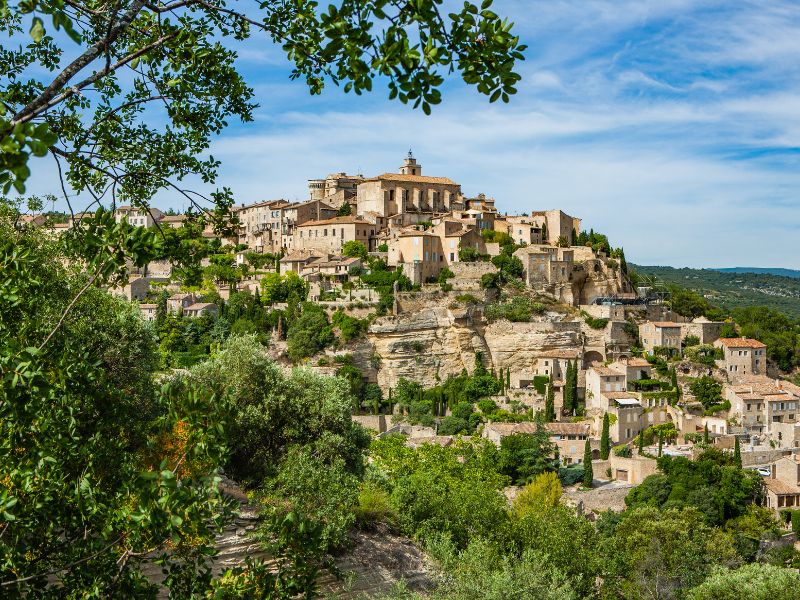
<point>324,233</point>
<point>452,257</point>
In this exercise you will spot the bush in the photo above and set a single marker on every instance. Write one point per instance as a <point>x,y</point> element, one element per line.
<point>310,333</point>
<point>593,322</point>
<point>453,425</point>
<point>541,494</point>
<point>467,299</point>
<point>623,450</point>
<point>518,309</point>
<point>470,255</point>
<point>570,475</point>
<point>540,383</point>
<point>373,506</point>
<point>707,391</point>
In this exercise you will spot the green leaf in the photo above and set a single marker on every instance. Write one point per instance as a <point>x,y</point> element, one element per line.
<point>37,30</point>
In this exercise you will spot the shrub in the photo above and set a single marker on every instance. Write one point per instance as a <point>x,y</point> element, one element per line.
<point>542,493</point>
<point>453,425</point>
<point>593,322</point>
<point>540,383</point>
<point>487,405</point>
<point>373,506</point>
<point>623,450</point>
<point>570,475</point>
<point>470,255</point>
<point>467,299</point>
<point>518,309</point>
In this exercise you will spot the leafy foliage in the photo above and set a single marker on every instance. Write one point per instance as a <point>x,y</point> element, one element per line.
<point>712,484</point>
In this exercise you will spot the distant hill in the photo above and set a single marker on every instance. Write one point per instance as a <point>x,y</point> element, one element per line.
<point>763,271</point>
<point>735,289</point>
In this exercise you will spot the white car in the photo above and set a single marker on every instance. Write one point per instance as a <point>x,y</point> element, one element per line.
<point>764,471</point>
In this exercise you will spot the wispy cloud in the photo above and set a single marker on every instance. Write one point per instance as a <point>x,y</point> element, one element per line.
<point>672,125</point>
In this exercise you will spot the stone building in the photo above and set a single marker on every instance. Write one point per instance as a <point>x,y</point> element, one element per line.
<point>703,329</point>
<point>783,485</point>
<point>556,223</point>
<point>149,311</point>
<point>198,309</point>
<point>409,194</point>
<point>742,356</point>
<point>138,217</point>
<point>330,235</point>
<point>340,186</point>
<point>759,402</point>
<point>660,334</point>
<point>180,302</point>
<point>523,230</point>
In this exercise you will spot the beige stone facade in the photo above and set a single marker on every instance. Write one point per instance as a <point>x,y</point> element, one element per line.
<point>408,193</point>
<point>523,230</point>
<point>557,224</point>
<point>783,486</point>
<point>660,334</point>
<point>742,356</point>
<point>138,217</point>
<point>330,235</point>
<point>758,402</point>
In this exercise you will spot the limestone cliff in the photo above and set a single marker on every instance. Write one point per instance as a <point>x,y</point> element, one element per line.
<point>434,342</point>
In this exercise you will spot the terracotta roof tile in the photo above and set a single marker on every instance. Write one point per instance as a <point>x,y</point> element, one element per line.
<point>741,343</point>
<point>412,178</point>
<point>337,221</point>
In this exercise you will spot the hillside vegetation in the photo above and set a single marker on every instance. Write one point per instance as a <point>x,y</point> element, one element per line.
<point>734,290</point>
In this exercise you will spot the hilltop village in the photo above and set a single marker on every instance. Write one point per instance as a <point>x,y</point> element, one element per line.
<point>454,325</point>
<point>439,285</point>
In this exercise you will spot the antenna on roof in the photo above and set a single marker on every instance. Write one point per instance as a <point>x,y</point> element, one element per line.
<point>410,155</point>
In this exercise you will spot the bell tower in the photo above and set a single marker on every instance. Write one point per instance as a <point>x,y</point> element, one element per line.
<point>410,165</point>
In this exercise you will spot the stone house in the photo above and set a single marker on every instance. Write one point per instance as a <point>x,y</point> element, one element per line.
<point>172,221</point>
<point>783,485</point>
<point>553,363</point>
<point>180,302</point>
<point>557,224</point>
<point>785,435</point>
<point>334,267</point>
<point>571,439</point>
<point>137,288</point>
<point>660,334</point>
<point>138,217</point>
<point>703,329</point>
<point>199,309</point>
<point>742,356</point>
<point>408,193</point>
<point>148,311</point>
<point>523,230</point>
<point>601,380</point>
<point>298,260</point>
<point>758,402</point>
<point>337,185</point>
<point>330,235</point>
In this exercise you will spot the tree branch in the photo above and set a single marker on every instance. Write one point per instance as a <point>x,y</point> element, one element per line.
<point>63,78</point>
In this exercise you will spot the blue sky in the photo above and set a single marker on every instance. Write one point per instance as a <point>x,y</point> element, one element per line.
<point>672,126</point>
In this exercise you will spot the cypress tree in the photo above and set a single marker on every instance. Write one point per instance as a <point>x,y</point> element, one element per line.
<point>660,443</point>
<point>737,453</point>
<point>588,473</point>
<point>605,443</point>
<point>705,433</point>
<point>550,405</point>
<point>641,442</point>
<point>568,390</point>
<point>674,379</point>
<point>508,377</point>
<point>575,386</point>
